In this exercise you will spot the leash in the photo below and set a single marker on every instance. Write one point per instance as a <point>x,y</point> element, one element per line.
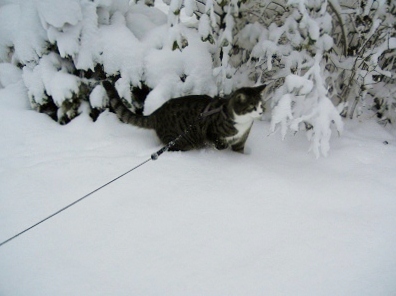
<point>72,204</point>
<point>153,156</point>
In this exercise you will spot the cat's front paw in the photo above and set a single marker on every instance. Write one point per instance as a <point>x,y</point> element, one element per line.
<point>221,145</point>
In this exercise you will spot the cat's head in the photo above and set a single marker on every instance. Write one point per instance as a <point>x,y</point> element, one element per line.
<point>247,102</point>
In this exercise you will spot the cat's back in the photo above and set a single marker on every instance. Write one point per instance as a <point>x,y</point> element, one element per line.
<point>183,104</point>
<point>189,101</point>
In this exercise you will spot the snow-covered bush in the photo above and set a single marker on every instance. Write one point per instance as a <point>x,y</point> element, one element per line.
<point>321,59</point>
<point>292,50</point>
<point>65,48</point>
<point>363,61</point>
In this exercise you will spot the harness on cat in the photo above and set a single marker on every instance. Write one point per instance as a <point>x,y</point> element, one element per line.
<point>207,112</point>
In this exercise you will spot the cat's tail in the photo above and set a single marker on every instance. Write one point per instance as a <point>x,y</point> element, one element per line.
<point>123,113</point>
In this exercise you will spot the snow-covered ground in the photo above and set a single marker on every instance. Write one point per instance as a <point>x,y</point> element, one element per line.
<point>273,222</point>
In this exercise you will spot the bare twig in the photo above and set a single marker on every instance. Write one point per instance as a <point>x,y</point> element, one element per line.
<point>335,6</point>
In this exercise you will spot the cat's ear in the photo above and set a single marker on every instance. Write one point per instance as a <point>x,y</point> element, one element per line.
<point>260,88</point>
<point>241,98</point>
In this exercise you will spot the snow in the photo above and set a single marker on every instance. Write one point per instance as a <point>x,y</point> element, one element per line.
<point>63,86</point>
<point>265,48</point>
<point>325,42</point>
<point>141,19</point>
<point>9,74</point>
<point>57,13</point>
<point>189,7</point>
<point>9,14</point>
<point>204,28</point>
<point>28,35</point>
<point>282,114</point>
<point>97,97</point>
<point>164,69</point>
<point>313,28</point>
<point>392,43</point>
<point>51,75</point>
<point>175,5</point>
<point>275,221</point>
<point>88,52</point>
<point>301,84</point>
<point>250,34</point>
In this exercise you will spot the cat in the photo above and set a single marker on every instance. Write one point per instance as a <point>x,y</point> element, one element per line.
<point>200,119</point>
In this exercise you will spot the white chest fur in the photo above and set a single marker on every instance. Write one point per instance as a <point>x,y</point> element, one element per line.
<point>242,125</point>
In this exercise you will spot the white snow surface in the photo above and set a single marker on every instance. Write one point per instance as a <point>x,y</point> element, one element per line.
<point>57,13</point>
<point>275,221</point>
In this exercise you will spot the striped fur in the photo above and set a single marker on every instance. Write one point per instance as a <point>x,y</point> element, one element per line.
<point>123,113</point>
<point>230,127</point>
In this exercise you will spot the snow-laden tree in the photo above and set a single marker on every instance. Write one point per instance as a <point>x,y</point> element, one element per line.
<point>65,48</point>
<point>321,59</point>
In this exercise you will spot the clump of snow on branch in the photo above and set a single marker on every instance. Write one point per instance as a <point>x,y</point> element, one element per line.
<point>97,98</point>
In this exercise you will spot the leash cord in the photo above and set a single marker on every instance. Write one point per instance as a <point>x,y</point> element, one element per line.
<point>73,203</point>
<point>154,156</point>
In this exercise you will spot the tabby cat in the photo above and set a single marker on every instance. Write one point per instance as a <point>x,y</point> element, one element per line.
<point>200,119</point>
